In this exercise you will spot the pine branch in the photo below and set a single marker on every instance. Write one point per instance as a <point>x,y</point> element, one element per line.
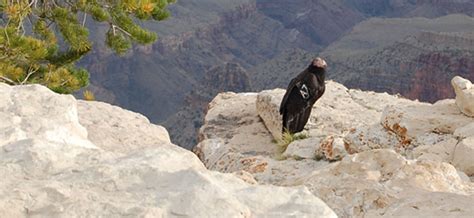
<point>64,82</point>
<point>33,2</point>
<point>122,30</point>
<point>30,72</point>
<point>6,33</point>
<point>84,19</point>
<point>29,45</point>
<point>7,80</point>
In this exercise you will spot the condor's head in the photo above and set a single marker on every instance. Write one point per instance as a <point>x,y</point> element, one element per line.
<point>319,63</point>
<point>318,66</point>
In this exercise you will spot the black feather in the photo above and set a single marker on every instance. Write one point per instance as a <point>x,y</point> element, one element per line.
<point>302,92</point>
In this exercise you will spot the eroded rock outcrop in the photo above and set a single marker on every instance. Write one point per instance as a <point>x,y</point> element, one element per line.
<point>367,154</point>
<point>422,124</point>
<point>382,182</point>
<point>65,158</point>
<point>463,157</point>
<point>464,95</point>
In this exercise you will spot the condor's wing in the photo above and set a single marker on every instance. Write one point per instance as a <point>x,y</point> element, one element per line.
<point>291,86</point>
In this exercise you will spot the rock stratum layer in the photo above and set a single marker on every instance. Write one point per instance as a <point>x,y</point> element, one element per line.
<point>367,154</point>
<point>273,40</point>
<point>393,55</point>
<point>65,158</point>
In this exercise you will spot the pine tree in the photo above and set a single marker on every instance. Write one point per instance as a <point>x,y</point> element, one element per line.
<point>40,40</point>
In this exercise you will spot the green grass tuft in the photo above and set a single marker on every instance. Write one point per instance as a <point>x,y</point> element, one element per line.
<point>286,139</point>
<point>88,95</point>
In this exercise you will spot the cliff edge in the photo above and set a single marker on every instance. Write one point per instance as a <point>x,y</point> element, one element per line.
<point>365,153</point>
<point>60,157</point>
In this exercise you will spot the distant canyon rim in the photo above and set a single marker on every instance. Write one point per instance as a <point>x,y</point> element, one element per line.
<point>211,46</point>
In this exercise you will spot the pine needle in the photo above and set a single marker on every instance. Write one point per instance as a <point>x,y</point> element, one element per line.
<point>88,95</point>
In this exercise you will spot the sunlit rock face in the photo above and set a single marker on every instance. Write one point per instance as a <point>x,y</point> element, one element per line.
<point>60,157</point>
<point>367,153</point>
<point>464,95</point>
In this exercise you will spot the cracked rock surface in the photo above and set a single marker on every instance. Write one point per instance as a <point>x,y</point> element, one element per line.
<point>464,95</point>
<point>367,154</point>
<point>60,157</point>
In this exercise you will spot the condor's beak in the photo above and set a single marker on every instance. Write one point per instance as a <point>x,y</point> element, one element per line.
<point>319,62</point>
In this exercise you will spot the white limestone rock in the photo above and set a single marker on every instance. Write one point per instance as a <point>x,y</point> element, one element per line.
<point>159,182</point>
<point>332,148</point>
<point>442,151</point>
<point>268,107</point>
<point>113,128</point>
<point>25,115</point>
<point>465,131</point>
<point>367,181</point>
<point>431,138</point>
<point>305,148</point>
<point>382,182</point>
<point>337,113</point>
<point>415,120</point>
<point>234,138</point>
<point>51,167</point>
<point>429,204</point>
<point>464,156</point>
<point>321,121</point>
<point>370,137</point>
<point>464,95</point>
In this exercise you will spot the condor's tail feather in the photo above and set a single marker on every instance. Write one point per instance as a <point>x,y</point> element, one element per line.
<point>294,123</point>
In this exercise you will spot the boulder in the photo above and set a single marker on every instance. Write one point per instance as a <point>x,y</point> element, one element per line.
<point>464,95</point>
<point>115,129</point>
<point>64,158</point>
<point>268,107</point>
<point>332,148</point>
<point>381,182</point>
<point>464,156</point>
<point>370,137</point>
<point>442,151</point>
<point>305,148</point>
<point>25,115</point>
<point>414,120</point>
<point>465,131</point>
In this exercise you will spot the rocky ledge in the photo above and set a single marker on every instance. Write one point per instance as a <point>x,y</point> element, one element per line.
<point>60,157</point>
<point>366,154</point>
